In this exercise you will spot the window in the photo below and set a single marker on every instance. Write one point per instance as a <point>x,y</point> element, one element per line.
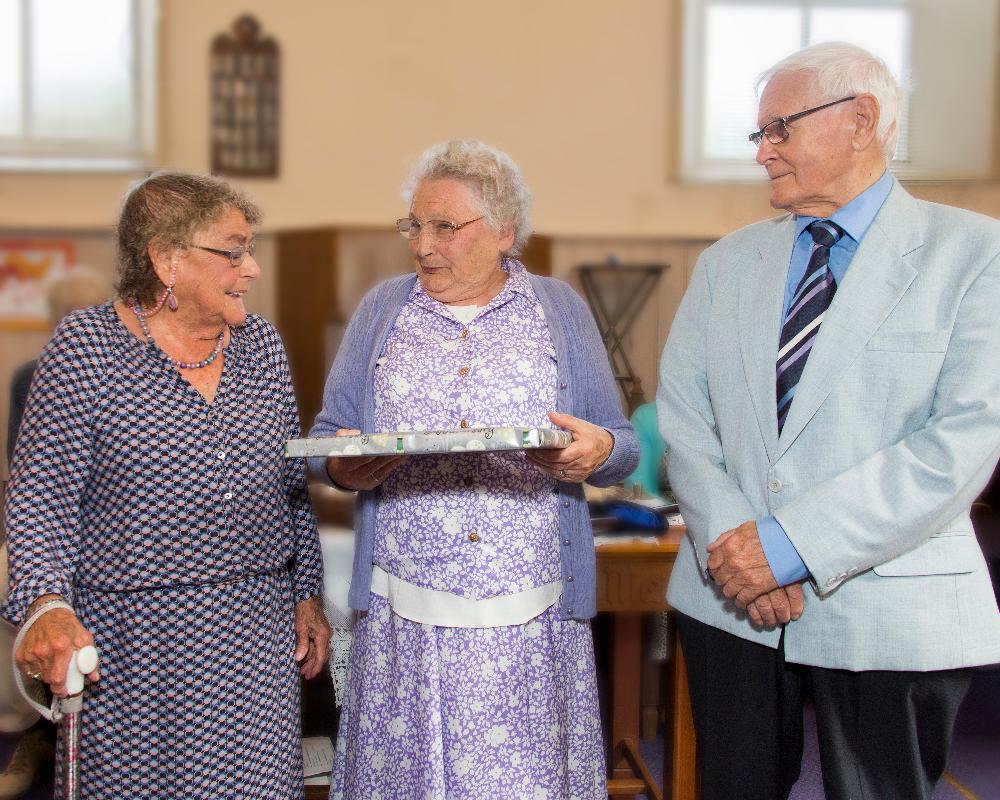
<point>728,43</point>
<point>76,84</point>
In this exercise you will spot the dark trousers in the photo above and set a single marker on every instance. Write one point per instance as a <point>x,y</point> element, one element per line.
<point>883,735</point>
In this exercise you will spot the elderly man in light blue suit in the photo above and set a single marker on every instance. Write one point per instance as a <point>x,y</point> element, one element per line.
<point>830,401</point>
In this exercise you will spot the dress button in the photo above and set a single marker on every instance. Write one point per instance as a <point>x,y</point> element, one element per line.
<point>463,371</point>
<point>566,542</point>
<point>774,485</point>
<point>227,496</point>
<point>463,424</point>
<point>562,385</point>
<point>473,537</point>
<point>221,455</point>
<point>464,333</point>
<point>570,579</point>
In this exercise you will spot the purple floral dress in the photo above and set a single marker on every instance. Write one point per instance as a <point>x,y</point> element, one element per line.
<point>469,712</point>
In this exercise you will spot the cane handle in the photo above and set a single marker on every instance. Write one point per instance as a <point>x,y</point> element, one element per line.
<point>81,663</point>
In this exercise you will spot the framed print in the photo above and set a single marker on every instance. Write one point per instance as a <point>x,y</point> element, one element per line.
<point>27,268</point>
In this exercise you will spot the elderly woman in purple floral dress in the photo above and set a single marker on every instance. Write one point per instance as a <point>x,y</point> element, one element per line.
<point>151,512</point>
<point>471,672</point>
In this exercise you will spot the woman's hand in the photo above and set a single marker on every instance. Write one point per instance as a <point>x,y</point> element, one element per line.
<point>312,636</point>
<point>46,649</point>
<point>360,472</point>
<point>590,448</point>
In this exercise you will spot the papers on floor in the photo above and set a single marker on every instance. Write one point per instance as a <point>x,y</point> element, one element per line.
<point>317,759</point>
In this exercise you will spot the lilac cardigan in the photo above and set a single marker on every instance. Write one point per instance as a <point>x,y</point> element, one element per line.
<point>586,389</point>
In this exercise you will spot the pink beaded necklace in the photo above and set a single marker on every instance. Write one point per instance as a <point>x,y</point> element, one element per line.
<point>176,361</point>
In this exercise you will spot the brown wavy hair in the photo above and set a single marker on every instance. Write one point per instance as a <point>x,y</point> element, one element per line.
<point>167,208</point>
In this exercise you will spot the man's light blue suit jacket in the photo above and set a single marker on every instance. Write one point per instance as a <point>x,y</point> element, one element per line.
<point>894,430</point>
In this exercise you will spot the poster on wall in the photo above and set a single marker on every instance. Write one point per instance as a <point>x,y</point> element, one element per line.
<point>27,269</point>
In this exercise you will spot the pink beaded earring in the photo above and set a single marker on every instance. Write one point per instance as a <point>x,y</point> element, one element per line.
<point>168,296</point>
<point>171,297</point>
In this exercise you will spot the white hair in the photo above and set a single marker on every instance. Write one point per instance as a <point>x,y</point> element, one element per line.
<point>503,196</point>
<point>839,69</point>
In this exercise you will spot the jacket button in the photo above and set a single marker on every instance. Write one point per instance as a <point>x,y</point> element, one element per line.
<point>566,542</point>
<point>463,424</point>
<point>774,485</point>
<point>463,371</point>
<point>473,537</point>
<point>570,579</point>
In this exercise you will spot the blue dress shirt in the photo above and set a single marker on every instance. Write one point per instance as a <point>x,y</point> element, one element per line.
<point>854,218</point>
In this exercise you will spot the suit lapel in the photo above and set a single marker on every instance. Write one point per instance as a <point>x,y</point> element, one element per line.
<point>878,277</point>
<point>762,292</point>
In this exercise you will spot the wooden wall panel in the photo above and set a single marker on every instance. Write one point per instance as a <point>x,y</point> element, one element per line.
<point>306,302</point>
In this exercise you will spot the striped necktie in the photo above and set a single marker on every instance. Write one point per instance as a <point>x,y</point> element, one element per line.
<point>805,313</point>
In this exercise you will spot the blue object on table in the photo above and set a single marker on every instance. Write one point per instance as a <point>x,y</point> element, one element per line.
<point>628,516</point>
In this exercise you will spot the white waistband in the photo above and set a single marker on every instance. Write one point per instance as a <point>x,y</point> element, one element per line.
<point>434,607</point>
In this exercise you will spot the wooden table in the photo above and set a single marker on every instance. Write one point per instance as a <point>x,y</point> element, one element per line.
<point>631,581</point>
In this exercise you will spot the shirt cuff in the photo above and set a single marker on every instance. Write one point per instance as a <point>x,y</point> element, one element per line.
<point>781,555</point>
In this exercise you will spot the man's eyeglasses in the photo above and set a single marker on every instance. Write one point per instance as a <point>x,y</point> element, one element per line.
<point>236,255</point>
<point>777,131</point>
<point>439,229</point>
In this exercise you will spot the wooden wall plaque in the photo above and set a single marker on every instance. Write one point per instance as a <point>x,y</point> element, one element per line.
<point>245,75</point>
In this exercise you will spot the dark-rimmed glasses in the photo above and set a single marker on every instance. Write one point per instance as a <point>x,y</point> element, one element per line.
<point>439,229</point>
<point>236,255</point>
<point>777,131</point>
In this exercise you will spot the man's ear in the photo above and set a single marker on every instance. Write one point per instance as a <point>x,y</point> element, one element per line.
<point>866,117</point>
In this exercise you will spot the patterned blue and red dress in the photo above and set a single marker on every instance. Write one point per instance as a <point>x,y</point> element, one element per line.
<point>183,539</point>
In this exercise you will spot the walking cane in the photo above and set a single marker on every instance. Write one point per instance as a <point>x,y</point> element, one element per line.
<point>66,710</point>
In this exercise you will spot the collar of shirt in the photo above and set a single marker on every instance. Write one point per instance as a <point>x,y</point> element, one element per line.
<point>517,283</point>
<point>855,218</point>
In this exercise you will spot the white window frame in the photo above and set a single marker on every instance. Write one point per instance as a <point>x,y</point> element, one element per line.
<point>927,157</point>
<point>28,153</point>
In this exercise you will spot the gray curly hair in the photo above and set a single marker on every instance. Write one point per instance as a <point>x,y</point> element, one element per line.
<point>504,197</point>
<point>839,69</point>
<point>167,208</point>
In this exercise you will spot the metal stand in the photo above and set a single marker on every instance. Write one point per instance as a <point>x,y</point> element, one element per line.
<point>633,285</point>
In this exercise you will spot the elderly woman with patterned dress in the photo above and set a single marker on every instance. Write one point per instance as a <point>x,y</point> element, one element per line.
<point>150,512</point>
<point>471,671</point>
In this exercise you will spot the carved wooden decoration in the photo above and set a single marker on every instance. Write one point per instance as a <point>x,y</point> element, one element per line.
<point>246,69</point>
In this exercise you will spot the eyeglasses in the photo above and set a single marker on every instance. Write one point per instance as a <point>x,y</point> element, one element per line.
<point>777,131</point>
<point>236,255</point>
<point>439,229</point>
